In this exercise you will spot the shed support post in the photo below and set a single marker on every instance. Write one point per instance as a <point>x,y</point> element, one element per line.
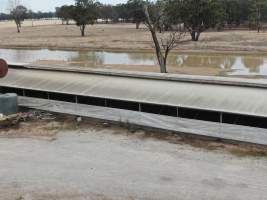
<point>140,107</point>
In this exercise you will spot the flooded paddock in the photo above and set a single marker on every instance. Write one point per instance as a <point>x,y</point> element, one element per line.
<point>246,65</point>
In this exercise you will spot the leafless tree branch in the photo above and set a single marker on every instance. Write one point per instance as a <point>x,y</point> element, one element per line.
<point>163,45</point>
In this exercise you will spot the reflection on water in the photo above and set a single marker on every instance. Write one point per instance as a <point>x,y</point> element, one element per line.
<point>247,65</point>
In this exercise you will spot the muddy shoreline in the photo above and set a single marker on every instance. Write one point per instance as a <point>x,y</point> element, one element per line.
<point>139,50</point>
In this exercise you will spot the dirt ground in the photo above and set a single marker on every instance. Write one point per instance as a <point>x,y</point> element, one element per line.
<point>121,37</point>
<point>59,158</point>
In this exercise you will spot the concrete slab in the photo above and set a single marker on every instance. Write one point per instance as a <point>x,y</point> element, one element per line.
<point>230,133</point>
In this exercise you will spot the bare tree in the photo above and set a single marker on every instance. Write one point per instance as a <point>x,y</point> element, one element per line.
<point>164,44</point>
<point>18,12</point>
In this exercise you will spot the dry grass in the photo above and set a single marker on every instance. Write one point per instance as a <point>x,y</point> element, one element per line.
<point>50,34</point>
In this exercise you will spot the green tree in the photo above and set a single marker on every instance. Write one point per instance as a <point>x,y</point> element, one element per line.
<point>19,13</point>
<point>232,12</point>
<point>64,13</point>
<point>122,11</point>
<point>136,11</point>
<point>85,12</point>
<point>258,12</point>
<point>197,15</point>
<point>4,16</point>
<point>107,12</point>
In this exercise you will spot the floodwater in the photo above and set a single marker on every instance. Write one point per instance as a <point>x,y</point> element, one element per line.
<point>225,64</point>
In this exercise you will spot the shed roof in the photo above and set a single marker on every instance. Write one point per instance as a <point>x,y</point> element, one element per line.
<point>206,96</point>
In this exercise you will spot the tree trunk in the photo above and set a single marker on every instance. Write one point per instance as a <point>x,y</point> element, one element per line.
<point>137,24</point>
<point>160,57</point>
<point>258,18</point>
<point>195,35</point>
<point>18,27</point>
<point>82,28</point>
<point>163,69</point>
<point>159,29</point>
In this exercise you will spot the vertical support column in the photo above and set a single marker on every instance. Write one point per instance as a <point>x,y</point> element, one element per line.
<point>140,107</point>
<point>221,117</point>
<point>48,96</point>
<point>23,92</point>
<point>177,111</point>
<point>76,99</point>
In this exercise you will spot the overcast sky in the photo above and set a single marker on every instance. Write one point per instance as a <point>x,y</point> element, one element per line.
<point>48,5</point>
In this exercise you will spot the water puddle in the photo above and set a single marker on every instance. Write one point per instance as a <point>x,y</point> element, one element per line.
<point>202,64</point>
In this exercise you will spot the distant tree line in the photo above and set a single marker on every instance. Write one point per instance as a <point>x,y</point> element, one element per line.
<point>4,16</point>
<point>29,15</point>
<point>195,15</point>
